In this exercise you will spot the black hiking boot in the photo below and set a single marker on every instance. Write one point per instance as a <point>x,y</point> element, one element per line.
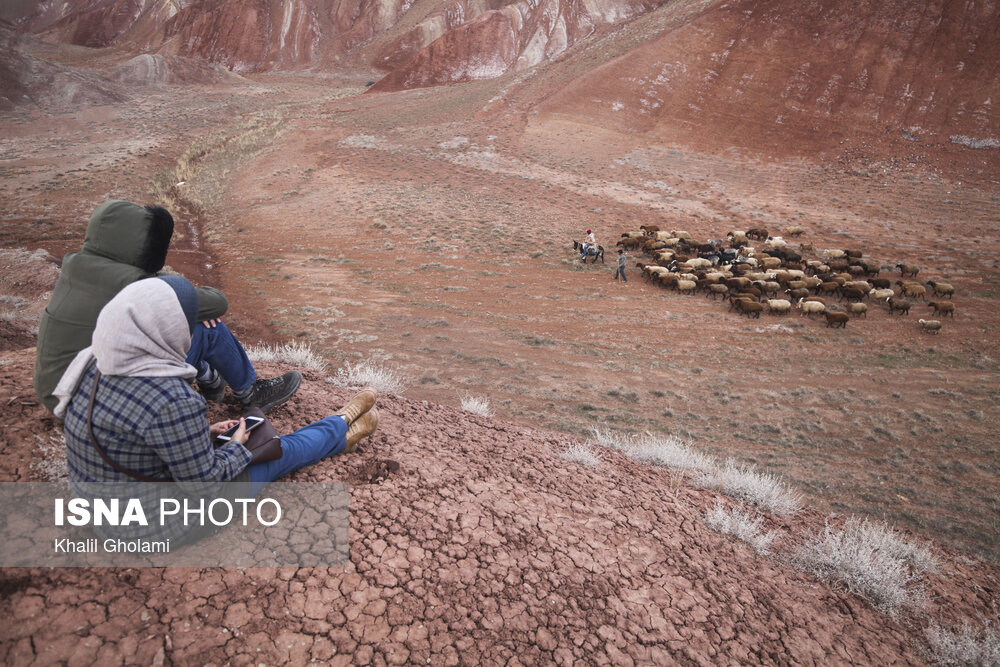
<point>269,394</point>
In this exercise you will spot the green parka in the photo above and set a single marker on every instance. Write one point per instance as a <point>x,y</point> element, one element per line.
<point>124,242</point>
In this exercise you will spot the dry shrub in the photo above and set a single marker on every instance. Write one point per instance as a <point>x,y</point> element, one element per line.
<point>869,559</point>
<point>966,647</point>
<point>740,524</point>
<point>763,490</point>
<point>582,454</point>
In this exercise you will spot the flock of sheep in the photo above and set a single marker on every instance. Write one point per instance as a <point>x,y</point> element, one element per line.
<point>774,278</point>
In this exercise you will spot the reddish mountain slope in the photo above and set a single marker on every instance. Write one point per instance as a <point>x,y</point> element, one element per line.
<point>780,74</point>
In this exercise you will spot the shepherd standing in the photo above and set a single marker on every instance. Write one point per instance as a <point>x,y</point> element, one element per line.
<point>620,271</point>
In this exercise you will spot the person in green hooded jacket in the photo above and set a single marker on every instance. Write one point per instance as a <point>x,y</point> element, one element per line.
<point>126,242</point>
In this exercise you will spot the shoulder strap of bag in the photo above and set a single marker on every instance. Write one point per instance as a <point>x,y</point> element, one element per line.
<point>93,439</point>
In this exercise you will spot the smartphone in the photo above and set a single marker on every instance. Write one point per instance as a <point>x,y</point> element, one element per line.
<point>252,423</point>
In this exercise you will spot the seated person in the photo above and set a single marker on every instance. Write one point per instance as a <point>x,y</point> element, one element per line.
<point>124,243</point>
<point>146,417</point>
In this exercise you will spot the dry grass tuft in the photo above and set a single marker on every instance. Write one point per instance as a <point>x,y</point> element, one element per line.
<point>477,405</point>
<point>369,374</point>
<point>294,354</point>
<point>666,452</point>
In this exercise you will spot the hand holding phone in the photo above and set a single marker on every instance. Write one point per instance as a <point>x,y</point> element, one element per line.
<point>251,424</point>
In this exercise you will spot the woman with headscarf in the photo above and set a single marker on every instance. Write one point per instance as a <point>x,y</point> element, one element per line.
<point>145,417</point>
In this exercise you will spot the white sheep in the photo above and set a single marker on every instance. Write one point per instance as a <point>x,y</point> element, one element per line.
<point>681,235</point>
<point>881,294</point>
<point>833,253</point>
<point>930,326</point>
<point>810,308</point>
<point>699,263</point>
<point>779,306</point>
<point>775,242</point>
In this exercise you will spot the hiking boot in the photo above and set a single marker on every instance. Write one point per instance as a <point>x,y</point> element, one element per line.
<point>214,389</point>
<point>361,429</point>
<point>358,405</point>
<point>269,394</point>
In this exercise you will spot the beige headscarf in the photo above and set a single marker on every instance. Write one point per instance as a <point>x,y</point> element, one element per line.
<point>143,332</point>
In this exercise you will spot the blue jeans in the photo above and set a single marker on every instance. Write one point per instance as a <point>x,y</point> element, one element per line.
<point>309,445</point>
<point>219,348</point>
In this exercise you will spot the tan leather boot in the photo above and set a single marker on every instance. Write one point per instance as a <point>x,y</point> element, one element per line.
<point>361,429</point>
<point>358,405</point>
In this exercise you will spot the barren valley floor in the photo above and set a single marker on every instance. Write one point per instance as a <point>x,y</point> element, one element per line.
<point>430,231</point>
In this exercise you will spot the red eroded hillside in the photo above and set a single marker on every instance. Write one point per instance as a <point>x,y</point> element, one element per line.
<point>431,42</point>
<point>243,35</point>
<point>512,38</point>
<point>782,74</point>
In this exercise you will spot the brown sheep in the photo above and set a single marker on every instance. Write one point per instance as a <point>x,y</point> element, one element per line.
<point>908,270</point>
<point>911,289</point>
<point>945,308</point>
<point>630,242</point>
<point>797,294</point>
<point>902,305</point>
<point>828,287</point>
<point>757,233</point>
<point>747,307</point>
<point>941,289</point>
<point>852,294</point>
<point>836,319</point>
<point>858,309</point>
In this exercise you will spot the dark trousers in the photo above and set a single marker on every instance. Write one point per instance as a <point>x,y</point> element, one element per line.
<point>620,271</point>
<point>219,348</point>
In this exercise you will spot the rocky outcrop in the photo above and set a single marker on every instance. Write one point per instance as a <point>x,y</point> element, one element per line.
<point>152,70</point>
<point>27,81</point>
<point>512,38</point>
